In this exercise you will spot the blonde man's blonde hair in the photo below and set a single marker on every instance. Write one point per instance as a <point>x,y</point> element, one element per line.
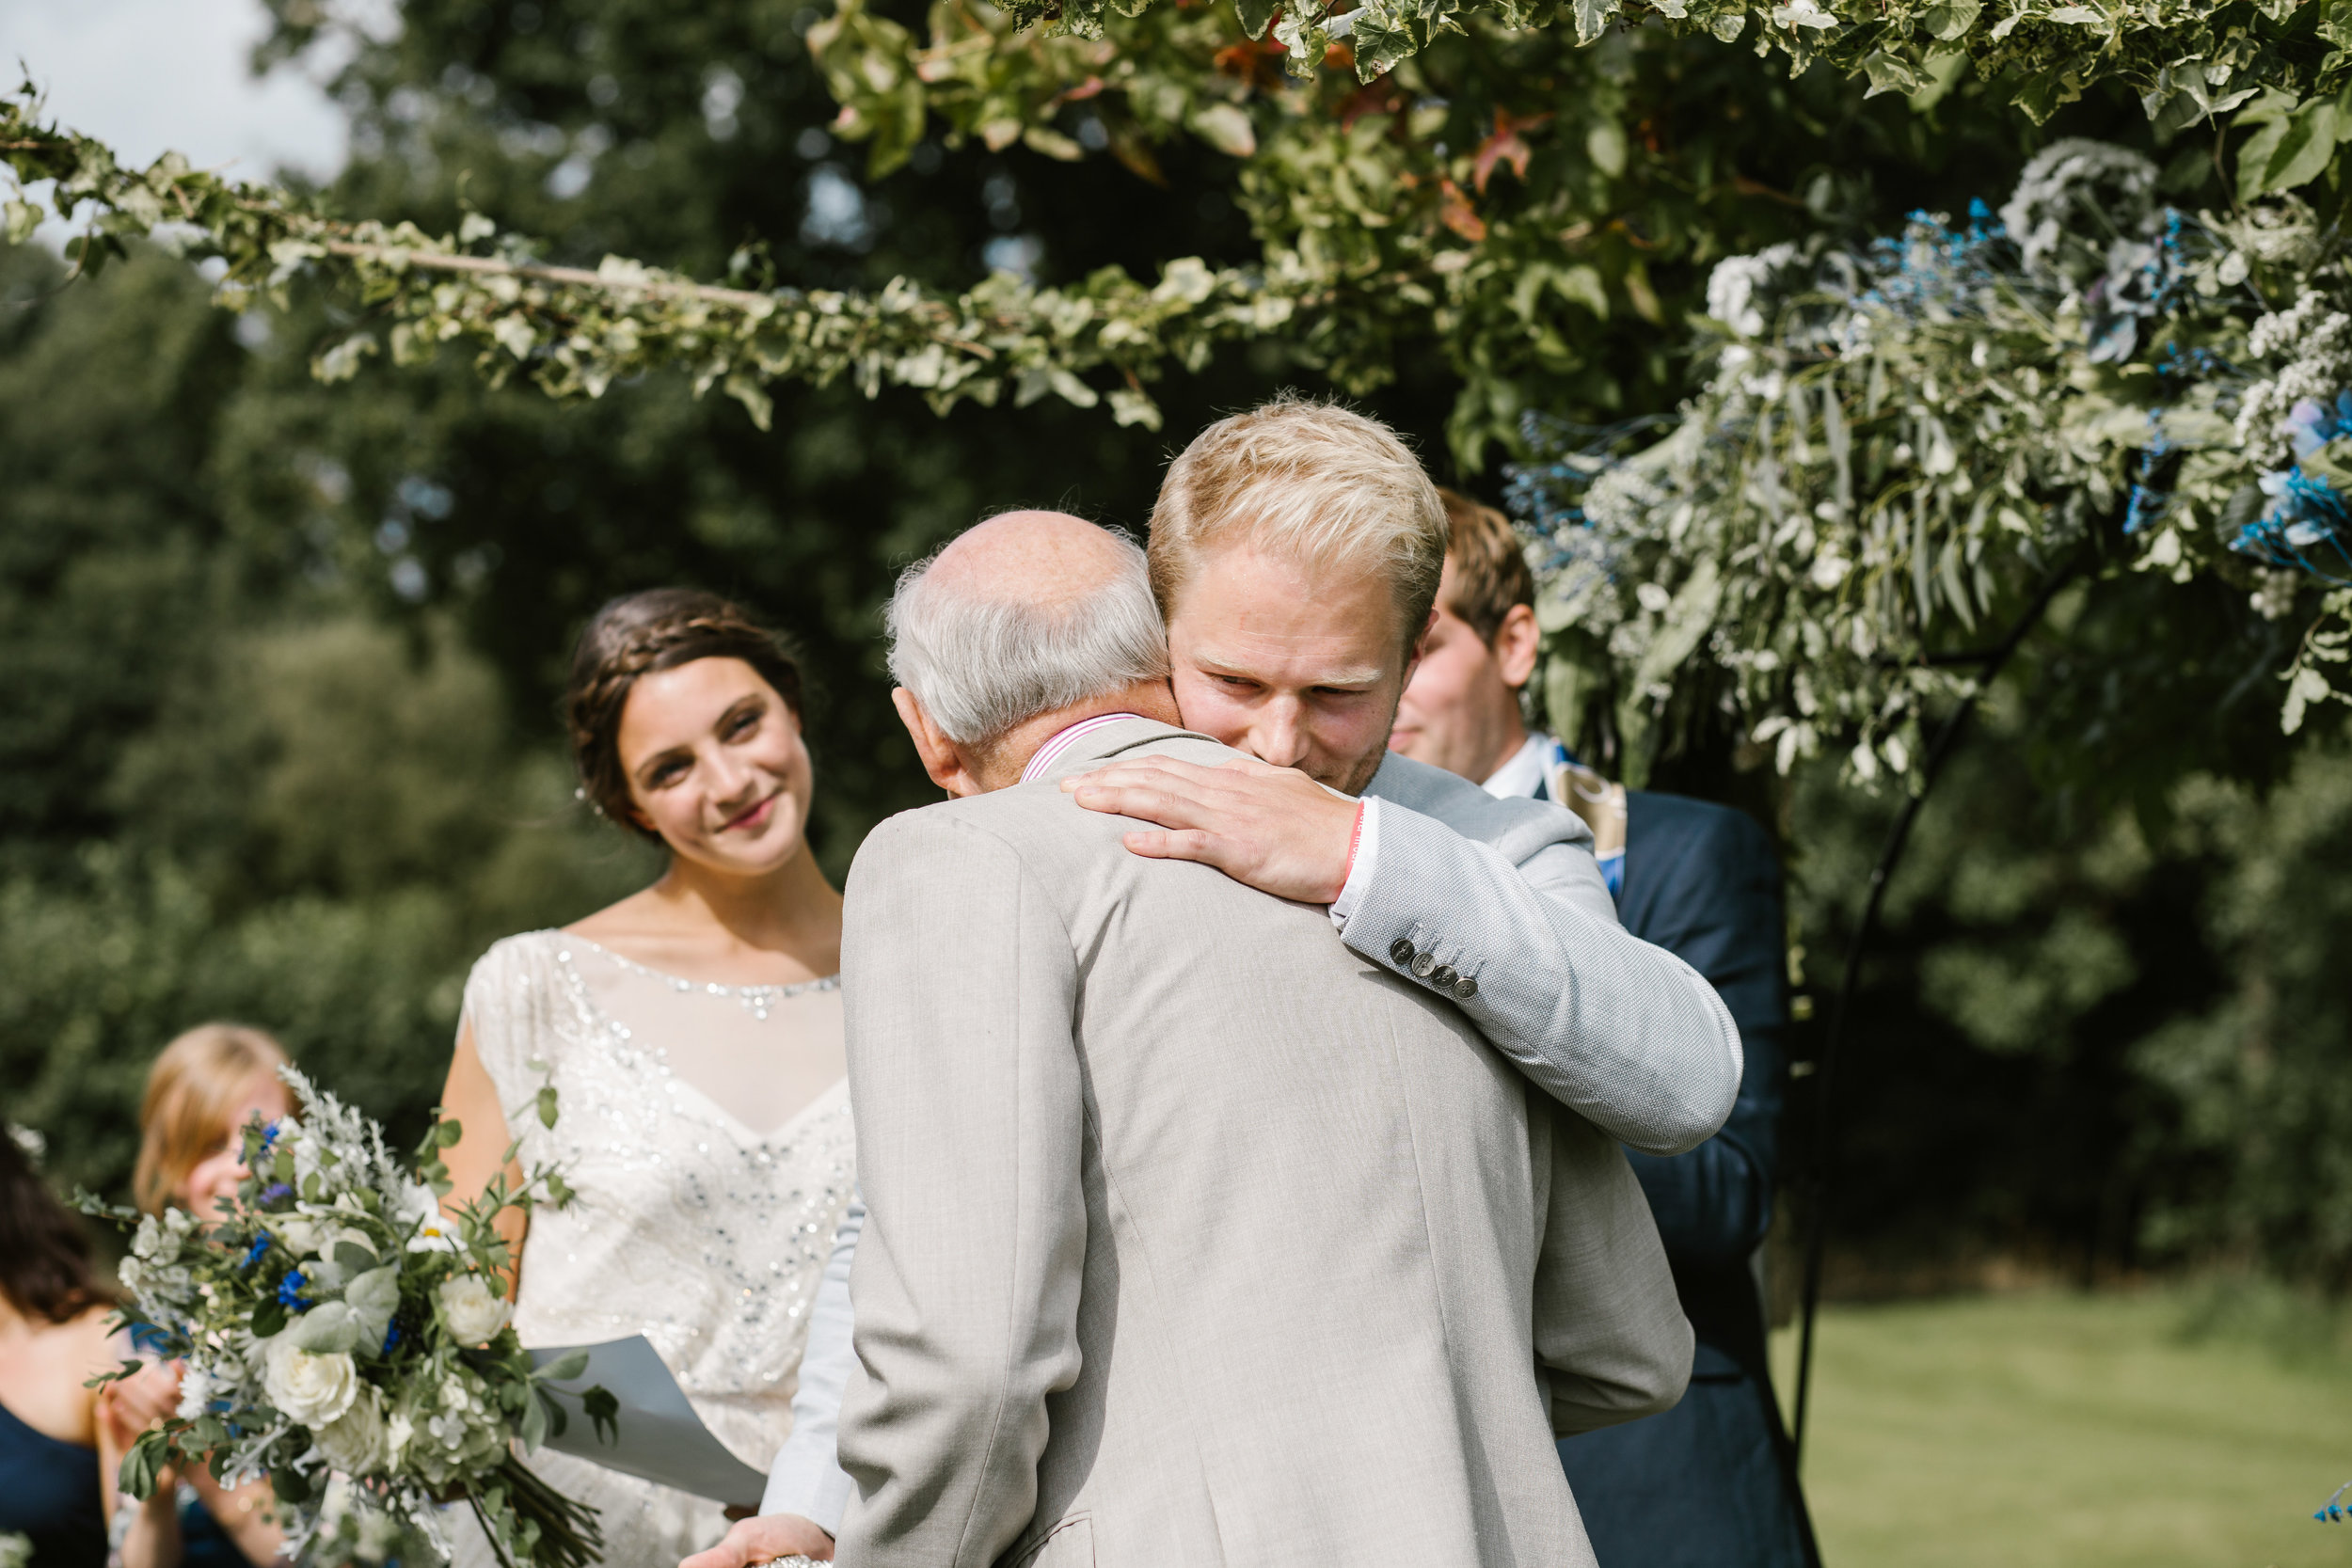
<point>1312,482</point>
<point>192,1090</point>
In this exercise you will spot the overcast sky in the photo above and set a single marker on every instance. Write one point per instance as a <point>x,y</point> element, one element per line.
<point>151,75</point>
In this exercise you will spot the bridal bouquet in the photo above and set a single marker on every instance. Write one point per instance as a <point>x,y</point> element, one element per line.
<point>334,1322</point>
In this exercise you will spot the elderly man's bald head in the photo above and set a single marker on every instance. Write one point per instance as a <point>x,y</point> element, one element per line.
<point>1026,613</point>
<point>1046,559</point>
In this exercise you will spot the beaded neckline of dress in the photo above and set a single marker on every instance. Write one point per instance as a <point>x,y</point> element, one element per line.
<point>758,999</point>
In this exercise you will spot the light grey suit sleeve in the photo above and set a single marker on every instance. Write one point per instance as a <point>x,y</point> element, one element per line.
<point>1610,1333</point>
<point>807,1478</point>
<point>959,987</point>
<point>1620,1031</point>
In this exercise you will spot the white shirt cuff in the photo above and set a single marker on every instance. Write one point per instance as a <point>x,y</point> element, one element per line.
<point>1359,871</point>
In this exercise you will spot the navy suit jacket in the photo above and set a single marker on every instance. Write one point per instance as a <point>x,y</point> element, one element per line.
<point>1710,1483</point>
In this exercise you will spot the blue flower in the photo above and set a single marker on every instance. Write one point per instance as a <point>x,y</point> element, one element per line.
<point>2313,425</point>
<point>2148,502</point>
<point>290,1292</point>
<point>2306,514</point>
<point>392,1337</point>
<point>2195,362</point>
<point>277,1192</point>
<point>269,1136</point>
<point>253,1254</point>
<point>2302,512</point>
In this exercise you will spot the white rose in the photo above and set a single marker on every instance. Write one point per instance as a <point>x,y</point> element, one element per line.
<point>474,1314</point>
<point>310,1390</point>
<point>356,1442</point>
<point>301,1234</point>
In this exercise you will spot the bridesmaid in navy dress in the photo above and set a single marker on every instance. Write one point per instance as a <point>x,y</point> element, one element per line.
<point>59,1440</point>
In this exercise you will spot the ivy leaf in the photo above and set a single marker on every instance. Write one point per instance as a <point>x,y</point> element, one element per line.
<point>2040,94</point>
<point>1227,128</point>
<point>2255,158</point>
<point>2307,687</point>
<point>2305,150</point>
<point>1889,73</point>
<point>1949,21</point>
<point>1052,144</point>
<point>898,120</point>
<point>2335,22</point>
<point>546,1105</point>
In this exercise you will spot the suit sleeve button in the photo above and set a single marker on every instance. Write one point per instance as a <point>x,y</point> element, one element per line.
<point>1401,953</point>
<point>1423,964</point>
<point>1444,977</point>
<point>1465,987</point>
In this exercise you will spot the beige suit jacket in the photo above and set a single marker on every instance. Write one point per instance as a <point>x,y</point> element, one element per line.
<point>1196,1239</point>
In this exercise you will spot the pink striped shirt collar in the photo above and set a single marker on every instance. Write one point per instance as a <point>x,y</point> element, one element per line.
<point>1063,739</point>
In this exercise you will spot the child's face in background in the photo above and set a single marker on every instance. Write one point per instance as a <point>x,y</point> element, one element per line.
<point>214,1181</point>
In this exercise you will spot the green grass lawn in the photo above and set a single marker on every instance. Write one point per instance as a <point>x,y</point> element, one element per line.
<point>2067,1430</point>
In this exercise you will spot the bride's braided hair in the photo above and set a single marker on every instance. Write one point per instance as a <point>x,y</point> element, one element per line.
<point>636,635</point>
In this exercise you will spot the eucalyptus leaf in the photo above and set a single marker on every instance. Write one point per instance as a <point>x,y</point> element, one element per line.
<point>328,1328</point>
<point>563,1368</point>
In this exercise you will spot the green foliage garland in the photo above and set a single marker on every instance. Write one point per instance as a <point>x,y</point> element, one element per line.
<point>574,331</point>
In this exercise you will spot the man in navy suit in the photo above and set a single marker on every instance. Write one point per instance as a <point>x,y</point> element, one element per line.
<point>1711,1484</point>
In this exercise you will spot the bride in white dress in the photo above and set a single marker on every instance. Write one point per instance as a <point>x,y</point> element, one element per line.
<point>692,1034</point>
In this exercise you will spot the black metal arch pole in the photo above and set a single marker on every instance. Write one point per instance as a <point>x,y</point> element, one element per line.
<point>1990,662</point>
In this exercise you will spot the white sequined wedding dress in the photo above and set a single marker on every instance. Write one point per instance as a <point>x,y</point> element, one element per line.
<point>701,1234</point>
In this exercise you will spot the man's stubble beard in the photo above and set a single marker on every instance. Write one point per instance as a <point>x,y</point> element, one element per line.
<point>1360,774</point>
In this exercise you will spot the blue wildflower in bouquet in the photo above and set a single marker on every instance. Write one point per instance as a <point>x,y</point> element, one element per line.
<point>334,1322</point>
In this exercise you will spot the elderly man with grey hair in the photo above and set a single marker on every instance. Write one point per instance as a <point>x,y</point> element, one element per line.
<point>1192,1237</point>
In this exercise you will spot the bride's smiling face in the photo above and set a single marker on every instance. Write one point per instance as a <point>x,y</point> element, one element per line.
<point>716,765</point>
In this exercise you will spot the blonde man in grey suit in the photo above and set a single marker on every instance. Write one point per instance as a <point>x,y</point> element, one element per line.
<point>1191,1238</point>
